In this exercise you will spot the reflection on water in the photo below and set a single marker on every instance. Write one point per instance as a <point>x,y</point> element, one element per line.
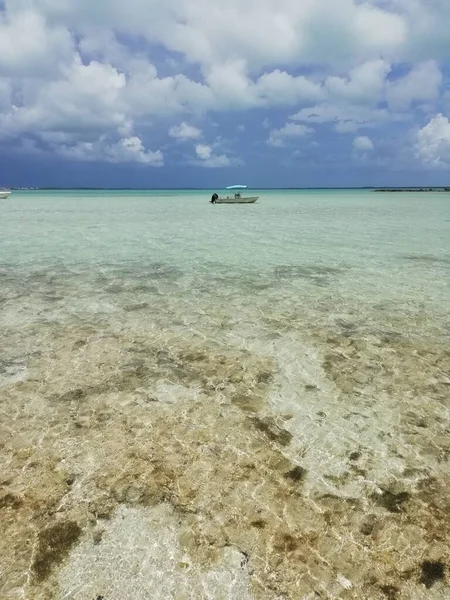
<point>182,429</point>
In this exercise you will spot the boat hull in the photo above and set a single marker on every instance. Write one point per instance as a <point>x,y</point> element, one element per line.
<point>4,195</point>
<point>233,200</point>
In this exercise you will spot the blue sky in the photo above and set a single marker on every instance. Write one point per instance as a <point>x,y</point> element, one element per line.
<point>201,93</point>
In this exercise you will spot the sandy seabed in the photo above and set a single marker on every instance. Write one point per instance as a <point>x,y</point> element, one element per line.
<point>244,439</point>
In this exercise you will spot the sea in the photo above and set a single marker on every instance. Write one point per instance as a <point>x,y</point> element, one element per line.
<point>225,402</point>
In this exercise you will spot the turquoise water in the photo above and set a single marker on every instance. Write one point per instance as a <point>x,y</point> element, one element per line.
<point>381,242</point>
<point>152,328</point>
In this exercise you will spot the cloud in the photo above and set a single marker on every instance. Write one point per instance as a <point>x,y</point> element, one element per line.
<point>203,151</point>
<point>185,132</point>
<point>265,33</point>
<point>86,99</point>
<point>232,88</point>
<point>280,88</point>
<point>347,117</point>
<point>81,77</point>
<point>422,83</point>
<point>433,143</point>
<point>364,84</point>
<point>127,150</point>
<point>148,95</point>
<point>279,137</point>
<point>5,93</point>
<point>363,144</point>
<point>344,118</point>
<point>209,159</point>
<point>29,46</point>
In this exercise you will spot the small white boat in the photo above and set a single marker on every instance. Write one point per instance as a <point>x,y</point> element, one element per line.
<point>234,198</point>
<point>4,194</point>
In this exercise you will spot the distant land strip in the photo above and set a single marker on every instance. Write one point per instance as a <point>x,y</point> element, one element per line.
<point>393,190</point>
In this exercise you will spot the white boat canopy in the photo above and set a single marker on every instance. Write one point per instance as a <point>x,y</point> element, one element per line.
<point>236,187</point>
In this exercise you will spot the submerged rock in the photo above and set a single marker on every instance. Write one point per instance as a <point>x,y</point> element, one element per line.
<point>392,501</point>
<point>432,572</point>
<point>54,544</point>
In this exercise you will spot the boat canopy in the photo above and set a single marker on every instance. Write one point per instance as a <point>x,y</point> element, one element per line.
<point>236,187</point>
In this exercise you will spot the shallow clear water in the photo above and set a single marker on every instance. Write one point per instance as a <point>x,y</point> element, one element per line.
<point>380,242</point>
<point>272,379</point>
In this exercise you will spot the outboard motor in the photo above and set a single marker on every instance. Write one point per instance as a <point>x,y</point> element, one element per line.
<point>214,198</point>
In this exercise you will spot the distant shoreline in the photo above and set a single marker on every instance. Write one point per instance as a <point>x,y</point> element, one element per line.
<point>128,189</point>
<point>395,190</point>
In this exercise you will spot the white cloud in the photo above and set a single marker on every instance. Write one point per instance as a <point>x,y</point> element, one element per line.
<point>364,84</point>
<point>86,99</point>
<point>207,158</point>
<point>422,83</point>
<point>428,24</point>
<point>203,151</point>
<point>66,79</point>
<point>279,88</point>
<point>185,132</point>
<point>280,137</point>
<point>232,88</point>
<point>265,33</point>
<point>363,144</point>
<point>126,150</point>
<point>29,46</point>
<point>75,115</point>
<point>433,142</point>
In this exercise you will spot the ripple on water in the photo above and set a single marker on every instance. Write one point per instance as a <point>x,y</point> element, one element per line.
<point>317,274</point>
<point>427,258</point>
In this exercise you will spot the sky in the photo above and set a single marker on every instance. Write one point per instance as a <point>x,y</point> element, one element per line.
<point>208,93</point>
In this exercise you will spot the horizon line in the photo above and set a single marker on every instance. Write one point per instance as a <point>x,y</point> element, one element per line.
<point>396,187</point>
